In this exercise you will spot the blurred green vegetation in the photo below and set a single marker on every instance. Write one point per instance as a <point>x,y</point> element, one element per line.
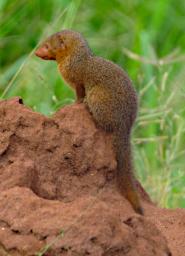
<point>146,38</point>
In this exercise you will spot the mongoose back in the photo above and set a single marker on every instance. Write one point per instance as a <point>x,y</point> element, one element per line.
<point>108,93</point>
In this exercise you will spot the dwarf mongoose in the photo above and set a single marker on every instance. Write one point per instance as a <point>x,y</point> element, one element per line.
<point>108,93</point>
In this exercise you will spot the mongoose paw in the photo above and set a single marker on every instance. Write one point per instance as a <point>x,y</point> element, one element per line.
<point>78,101</point>
<point>140,210</point>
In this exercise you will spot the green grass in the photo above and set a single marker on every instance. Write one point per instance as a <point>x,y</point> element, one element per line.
<point>146,38</point>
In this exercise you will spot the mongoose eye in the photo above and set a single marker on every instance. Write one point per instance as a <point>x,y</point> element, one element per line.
<point>47,46</point>
<point>61,41</point>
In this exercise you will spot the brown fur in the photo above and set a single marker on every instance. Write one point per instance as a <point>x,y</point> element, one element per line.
<point>108,93</point>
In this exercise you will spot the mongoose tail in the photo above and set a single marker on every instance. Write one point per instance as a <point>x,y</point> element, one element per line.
<point>125,174</point>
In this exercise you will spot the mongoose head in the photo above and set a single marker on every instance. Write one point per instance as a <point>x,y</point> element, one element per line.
<point>63,44</point>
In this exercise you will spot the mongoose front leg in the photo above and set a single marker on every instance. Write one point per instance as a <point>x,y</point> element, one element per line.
<point>80,93</point>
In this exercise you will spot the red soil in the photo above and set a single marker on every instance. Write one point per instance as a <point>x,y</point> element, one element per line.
<point>58,187</point>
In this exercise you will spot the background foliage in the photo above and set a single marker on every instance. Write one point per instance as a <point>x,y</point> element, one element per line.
<point>146,38</point>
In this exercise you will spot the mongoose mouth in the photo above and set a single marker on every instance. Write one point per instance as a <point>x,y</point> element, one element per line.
<point>43,53</point>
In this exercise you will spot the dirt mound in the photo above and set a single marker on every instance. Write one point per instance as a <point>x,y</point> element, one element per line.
<point>58,193</point>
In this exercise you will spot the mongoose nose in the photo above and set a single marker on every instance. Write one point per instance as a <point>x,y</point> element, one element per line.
<point>41,52</point>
